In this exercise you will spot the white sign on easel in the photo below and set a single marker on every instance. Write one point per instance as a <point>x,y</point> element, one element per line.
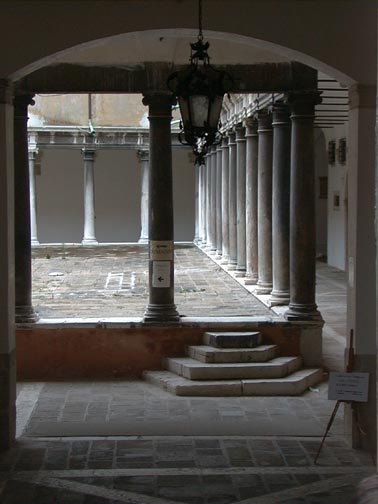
<point>348,386</point>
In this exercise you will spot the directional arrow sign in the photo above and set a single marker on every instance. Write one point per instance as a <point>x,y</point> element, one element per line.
<point>161,274</point>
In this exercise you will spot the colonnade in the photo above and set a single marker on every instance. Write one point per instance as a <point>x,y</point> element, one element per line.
<point>256,203</point>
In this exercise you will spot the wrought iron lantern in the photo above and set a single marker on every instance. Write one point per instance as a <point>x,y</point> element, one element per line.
<point>199,89</point>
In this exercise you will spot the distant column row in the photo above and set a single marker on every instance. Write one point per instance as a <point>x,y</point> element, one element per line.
<point>256,203</point>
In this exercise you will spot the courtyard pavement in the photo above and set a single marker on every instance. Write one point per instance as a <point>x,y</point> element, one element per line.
<point>131,442</point>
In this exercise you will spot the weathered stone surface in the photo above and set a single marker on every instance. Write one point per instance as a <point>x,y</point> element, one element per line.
<point>204,353</point>
<point>232,339</point>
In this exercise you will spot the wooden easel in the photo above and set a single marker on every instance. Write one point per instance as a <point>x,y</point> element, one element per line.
<point>349,369</point>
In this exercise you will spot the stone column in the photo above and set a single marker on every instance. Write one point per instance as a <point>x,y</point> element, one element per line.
<point>232,230</point>
<point>208,200</point>
<point>225,201</point>
<point>203,202</point>
<point>240,199</point>
<point>143,163</point>
<point>33,199</point>
<point>213,202</point>
<point>7,332</point>
<point>281,204</point>
<point>89,238</point>
<point>161,307</point>
<point>264,233</point>
<point>251,201</point>
<point>302,208</point>
<point>196,204</point>
<point>23,263</point>
<point>219,200</point>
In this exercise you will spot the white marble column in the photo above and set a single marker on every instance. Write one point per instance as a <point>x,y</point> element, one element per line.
<point>232,230</point>
<point>208,200</point>
<point>240,197</point>
<point>219,200</point>
<point>203,202</point>
<point>197,204</point>
<point>251,201</point>
<point>302,208</point>
<point>7,272</point>
<point>264,283</point>
<point>161,307</point>
<point>225,201</point>
<point>89,237</point>
<point>281,204</point>
<point>33,198</point>
<point>143,163</point>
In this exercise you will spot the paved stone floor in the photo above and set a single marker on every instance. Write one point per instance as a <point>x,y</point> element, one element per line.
<point>130,442</point>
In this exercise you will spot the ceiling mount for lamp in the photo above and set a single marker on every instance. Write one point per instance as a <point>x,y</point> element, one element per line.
<point>200,89</point>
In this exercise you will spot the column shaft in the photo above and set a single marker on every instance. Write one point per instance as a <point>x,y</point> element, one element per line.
<point>302,208</point>
<point>204,202</point>
<point>219,199</point>
<point>209,232</point>
<point>264,283</point>
<point>251,201</point>
<point>161,307</point>
<point>240,197</point>
<point>143,163</point>
<point>7,332</point>
<point>213,201</point>
<point>232,202</point>
<point>33,198</point>
<point>281,205</point>
<point>89,237</point>
<point>225,201</point>
<point>23,264</point>
<point>197,168</point>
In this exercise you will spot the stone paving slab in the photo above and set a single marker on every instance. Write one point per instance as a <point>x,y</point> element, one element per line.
<point>111,281</point>
<point>200,470</point>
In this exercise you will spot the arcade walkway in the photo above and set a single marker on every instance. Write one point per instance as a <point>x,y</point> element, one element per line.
<point>129,442</point>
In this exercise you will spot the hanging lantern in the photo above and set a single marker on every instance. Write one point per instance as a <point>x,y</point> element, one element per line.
<point>200,89</point>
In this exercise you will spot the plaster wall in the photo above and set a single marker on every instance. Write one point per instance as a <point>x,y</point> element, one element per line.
<point>59,186</point>
<point>337,204</point>
<point>320,160</point>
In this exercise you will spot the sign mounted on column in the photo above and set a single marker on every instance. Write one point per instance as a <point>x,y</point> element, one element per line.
<point>161,250</point>
<point>161,274</point>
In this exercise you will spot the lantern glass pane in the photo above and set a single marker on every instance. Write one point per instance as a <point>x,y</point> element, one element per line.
<point>199,107</point>
<point>215,111</point>
<point>184,109</point>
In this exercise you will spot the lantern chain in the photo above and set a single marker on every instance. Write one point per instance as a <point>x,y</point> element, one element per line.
<point>200,35</point>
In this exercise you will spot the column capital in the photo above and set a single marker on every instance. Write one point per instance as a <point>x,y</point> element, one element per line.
<point>160,104</point>
<point>250,126</point>
<point>225,141</point>
<point>240,133</point>
<point>6,91</point>
<point>143,155</point>
<point>264,120</point>
<point>281,114</point>
<point>88,153</point>
<point>302,103</point>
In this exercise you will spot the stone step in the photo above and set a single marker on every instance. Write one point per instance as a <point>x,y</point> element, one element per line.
<point>205,353</point>
<point>295,384</point>
<point>232,339</point>
<point>196,370</point>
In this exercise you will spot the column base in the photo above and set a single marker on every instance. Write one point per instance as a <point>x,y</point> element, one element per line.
<point>263,288</point>
<point>250,280</point>
<point>231,266</point>
<point>25,315</point>
<point>164,313</point>
<point>143,241</point>
<point>225,259</point>
<point>89,241</point>
<point>305,312</point>
<point>34,242</point>
<point>240,272</point>
<point>278,298</point>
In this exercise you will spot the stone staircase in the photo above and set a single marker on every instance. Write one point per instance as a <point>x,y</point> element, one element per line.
<point>234,364</point>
